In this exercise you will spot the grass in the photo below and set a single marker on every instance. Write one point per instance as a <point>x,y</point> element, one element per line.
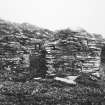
<point>50,92</point>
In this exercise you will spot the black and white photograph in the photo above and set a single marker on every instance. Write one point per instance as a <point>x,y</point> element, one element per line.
<point>52,52</point>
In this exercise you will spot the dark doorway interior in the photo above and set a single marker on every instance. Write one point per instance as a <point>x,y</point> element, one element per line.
<point>103,55</point>
<point>38,64</point>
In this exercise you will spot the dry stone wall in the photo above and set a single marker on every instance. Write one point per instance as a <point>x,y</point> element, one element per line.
<point>74,52</point>
<point>27,51</point>
<point>18,45</point>
<point>15,62</point>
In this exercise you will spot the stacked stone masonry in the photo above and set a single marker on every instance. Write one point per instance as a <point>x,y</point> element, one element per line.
<point>78,53</point>
<point>66,51</point>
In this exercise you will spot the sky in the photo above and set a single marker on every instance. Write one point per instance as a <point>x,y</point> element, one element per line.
<point>57,14</point>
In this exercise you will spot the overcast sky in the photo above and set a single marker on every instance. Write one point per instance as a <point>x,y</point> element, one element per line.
<point>56,14</point>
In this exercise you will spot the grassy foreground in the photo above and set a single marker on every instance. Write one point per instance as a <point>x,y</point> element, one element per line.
<point>49,92</point>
